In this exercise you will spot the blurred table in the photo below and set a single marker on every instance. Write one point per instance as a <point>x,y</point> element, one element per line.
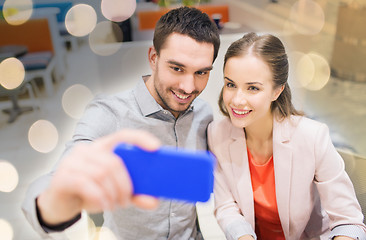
<point>7,51</point>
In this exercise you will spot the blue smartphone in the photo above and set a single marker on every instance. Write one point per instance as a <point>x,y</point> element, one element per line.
<point>169,172</point>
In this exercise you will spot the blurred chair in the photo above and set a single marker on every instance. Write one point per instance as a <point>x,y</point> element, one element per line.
<point>13,94</point>
<point>356,168</point>
<point>63,7</point>
<point>39,61</point>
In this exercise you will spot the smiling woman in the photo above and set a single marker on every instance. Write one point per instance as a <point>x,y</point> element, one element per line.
<point>271,157</point>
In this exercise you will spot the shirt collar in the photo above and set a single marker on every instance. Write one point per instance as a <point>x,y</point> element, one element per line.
<point>146,102</point>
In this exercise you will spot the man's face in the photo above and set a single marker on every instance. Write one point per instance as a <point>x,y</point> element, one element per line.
<point>180,72</point>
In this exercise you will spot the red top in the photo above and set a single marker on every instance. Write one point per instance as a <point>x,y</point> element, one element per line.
<point>267,220</point>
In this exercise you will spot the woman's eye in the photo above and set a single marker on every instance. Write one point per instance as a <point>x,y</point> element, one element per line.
<point>252,88</point>
<point>230,85</point>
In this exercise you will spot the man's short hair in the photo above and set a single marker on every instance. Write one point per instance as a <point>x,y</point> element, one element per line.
<point>186,21</point>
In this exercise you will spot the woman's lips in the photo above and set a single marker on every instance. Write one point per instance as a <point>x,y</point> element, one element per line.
<point>240,113</point>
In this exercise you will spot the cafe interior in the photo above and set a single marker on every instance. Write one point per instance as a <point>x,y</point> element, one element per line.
<point>56,55</point>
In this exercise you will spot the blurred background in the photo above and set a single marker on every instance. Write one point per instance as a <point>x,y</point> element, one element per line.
<point>56,55</point>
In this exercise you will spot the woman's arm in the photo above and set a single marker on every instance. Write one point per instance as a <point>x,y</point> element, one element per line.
<point>336,191</point>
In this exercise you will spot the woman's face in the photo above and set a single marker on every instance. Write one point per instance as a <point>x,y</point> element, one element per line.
<point>248,90</point>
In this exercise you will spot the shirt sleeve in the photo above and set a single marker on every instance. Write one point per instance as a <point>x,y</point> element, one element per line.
<point>88,128</point>
<point>239,228</point>
<point>58,227</point>
<point>348,230</point>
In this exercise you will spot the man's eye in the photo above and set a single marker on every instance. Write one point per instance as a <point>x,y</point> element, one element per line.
<point>201,72</point>
<point>177,69</point>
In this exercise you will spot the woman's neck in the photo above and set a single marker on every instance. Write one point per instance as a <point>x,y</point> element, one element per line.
<point>260,131</point>
<point>259,139</point>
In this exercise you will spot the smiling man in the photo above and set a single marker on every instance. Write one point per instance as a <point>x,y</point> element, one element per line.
<point>180,72</point>
<point>165,106</point>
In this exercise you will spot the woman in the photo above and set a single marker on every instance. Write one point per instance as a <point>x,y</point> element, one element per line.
<point>278,175</point>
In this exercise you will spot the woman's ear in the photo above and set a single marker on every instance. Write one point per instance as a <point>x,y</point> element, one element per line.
<point>152,55</point>
<point>277,92</point>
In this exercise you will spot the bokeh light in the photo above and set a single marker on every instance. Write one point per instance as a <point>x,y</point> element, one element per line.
<point>17,12</point>
<point>43,136</point>
<point>75,99</point>
<point>321,72</point>
<point>84,229</point>
<point>80,20</point>
<point>6,230</point>
<point>118,10</point>
<point>106,38</point>
<point>12,73</point>
<point>104,233</point>
<point>302,69</point>
<point>8,177</point>
<point>307,17</point>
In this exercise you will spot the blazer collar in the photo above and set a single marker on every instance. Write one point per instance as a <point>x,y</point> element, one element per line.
<point>282,160</point>
<point>240,169</point>
<point>282,130</point>
<point>282,155</point>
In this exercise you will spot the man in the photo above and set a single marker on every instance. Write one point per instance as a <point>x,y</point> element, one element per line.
<point>90,177</point>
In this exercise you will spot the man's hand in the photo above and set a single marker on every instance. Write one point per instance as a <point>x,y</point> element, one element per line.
<point>93,178</point>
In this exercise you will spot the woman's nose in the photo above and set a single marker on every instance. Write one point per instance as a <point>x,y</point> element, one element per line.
<point>239,98</point>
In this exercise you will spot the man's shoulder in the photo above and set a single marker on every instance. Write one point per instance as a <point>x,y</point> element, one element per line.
<point>114,99</point>
<point>202,106</point>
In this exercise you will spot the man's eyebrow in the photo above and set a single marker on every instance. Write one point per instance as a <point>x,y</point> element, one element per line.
<point>209,68</point>
<point>206,69</point>
<point>175,63</point>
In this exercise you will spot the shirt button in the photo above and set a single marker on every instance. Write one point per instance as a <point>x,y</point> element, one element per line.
<point>165,112</point>
<point>172,214</point>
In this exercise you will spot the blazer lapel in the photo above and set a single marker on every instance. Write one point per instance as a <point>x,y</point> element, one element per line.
<point>282,158</point>
<point>239,157</point>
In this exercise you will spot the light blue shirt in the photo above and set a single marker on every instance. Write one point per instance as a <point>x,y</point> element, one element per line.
<point>137,109</point>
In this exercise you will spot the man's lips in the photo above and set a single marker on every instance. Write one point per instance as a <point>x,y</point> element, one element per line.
<point>181,97</point>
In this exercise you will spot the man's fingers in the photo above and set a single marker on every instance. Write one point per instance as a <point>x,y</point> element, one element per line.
<point>140,138</point>
<point>145,201</point>
<point>107,170</point>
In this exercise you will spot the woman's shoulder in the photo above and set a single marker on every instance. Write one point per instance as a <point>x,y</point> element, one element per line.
<point>220,124</point>
<point>305,122</point>
<point>305,126</point>
<point>219,129</point>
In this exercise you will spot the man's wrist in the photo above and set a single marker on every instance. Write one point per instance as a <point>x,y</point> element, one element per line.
<point>57,226</point>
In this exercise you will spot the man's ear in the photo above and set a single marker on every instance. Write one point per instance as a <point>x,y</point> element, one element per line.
<point>277,92</point>
<point>152,55</point>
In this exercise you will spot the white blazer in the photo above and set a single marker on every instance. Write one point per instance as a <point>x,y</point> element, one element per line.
<point>308,171</point>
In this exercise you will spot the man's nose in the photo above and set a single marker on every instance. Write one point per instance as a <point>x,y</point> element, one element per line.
<point>187,84</point>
